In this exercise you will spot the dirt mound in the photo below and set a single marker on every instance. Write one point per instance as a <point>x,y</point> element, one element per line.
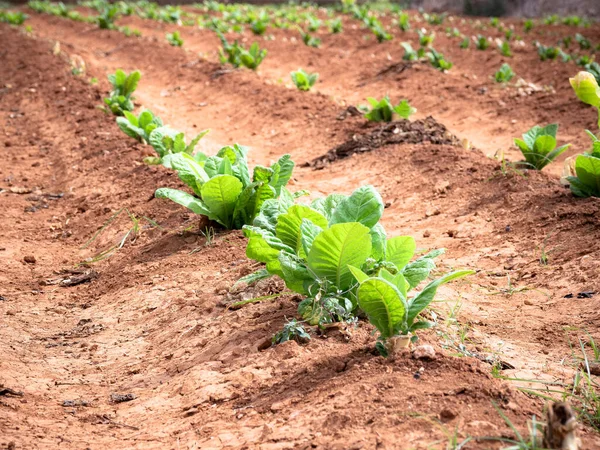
<point>423,131</point>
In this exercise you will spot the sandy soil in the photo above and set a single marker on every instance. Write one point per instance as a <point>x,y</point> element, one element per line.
<point>154,320</point>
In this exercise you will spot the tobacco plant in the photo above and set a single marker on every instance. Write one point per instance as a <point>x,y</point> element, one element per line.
<point>174,39</point>
<point>139,127</point>
<point>223,189</point>
<point>539,146</point>
<point>120,98</point>
<point>481,42</point>
<point>546,53</point>
<point>438,61</point>
<point>236,55</point>
<point>383,110</point>
<point>318,248</point>
<point>310,41</point>
<point>303,80</point>
<point>504,74</point>
<point>13,18</point>
<point>383,294</point>
<point>404,21</point>
<point>335,25</point>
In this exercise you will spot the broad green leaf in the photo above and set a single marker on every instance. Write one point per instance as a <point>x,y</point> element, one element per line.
<point>229,153</point>
<point>342,245</point>
<point>364,205</point>
<point>400,250</point>
<point>544,144</point>
<point>225,168</point>
<point>220,194</point>
<point>259,250</point>
<point>295,272</point>
<point>262,173</point>
<point>131,119</point>
<point>419,270</point>
<point>327,205</point>
<point>531,136</point>
<point>308,232</point>
<point>184,199</point>
<point>383,305</point>
<point>586,88</point>
<point>145,119</point>
<point>426,296</point>
<point>188,170</point>
<point>587,169</point>
<point>288,224</point>
<point>128,128</point>
<point>211,165</point>
<point>378,239</point>
<point>360,276</point>
<point>262,193</point>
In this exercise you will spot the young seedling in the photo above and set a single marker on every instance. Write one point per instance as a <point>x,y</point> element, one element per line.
<point>504,74</point>
<point>409,53</point>
<point>438,61</point>
<point>584,43</point>
<point>335,25</point>
<point>107,17</point>
<point>236,55</point>
<point>404,21</point>
<point>546,53</point>
<point>174,39</point>
<point>13,18</point>
<point>528,25</point>
<point>425,40</point>
<point>304,81</point>
<point>481,42</point>
<point>383,110</point>
<point>384,299</point>
<point>310,41</point>
<point>505,49</point>
<point>465,43</point>
<point>120,98</point>
<point>539,146</point>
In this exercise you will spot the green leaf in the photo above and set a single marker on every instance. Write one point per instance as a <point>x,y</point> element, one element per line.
<point>262,193</point>
<point>262,173</point>
<point>285,172</point>
<point>364,205</point>
<point>587,169</point>
<point>419,270</point>
<point>131,83</point>
<point>400,250</point>
<point>288,224</point>
<point>335,249</point>
<point>544,144</point>
<point>308,232</point>
<point>184,199</point>
<point>192,145</point>
<point>360,276</point>
<point>378,239</point>
<point>295,272</point>
<point>220,194</point>
<point>425,297</point>
<point>383,305</point>
<point>327,205</point>
<point>188,170</point>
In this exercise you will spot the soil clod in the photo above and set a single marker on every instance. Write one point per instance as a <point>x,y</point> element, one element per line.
<point>120,398</point>
<point>399,132</point>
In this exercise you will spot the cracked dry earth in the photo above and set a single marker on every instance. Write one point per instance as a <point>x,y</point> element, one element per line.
<point>142,350</point>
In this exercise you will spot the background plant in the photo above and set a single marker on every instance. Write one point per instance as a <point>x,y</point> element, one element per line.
<point>174,39</point>
<point>504,74</point>
<point>383,110</point>
<point>539,146</point>
<point>120,98</point>
<point>304,81</point>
